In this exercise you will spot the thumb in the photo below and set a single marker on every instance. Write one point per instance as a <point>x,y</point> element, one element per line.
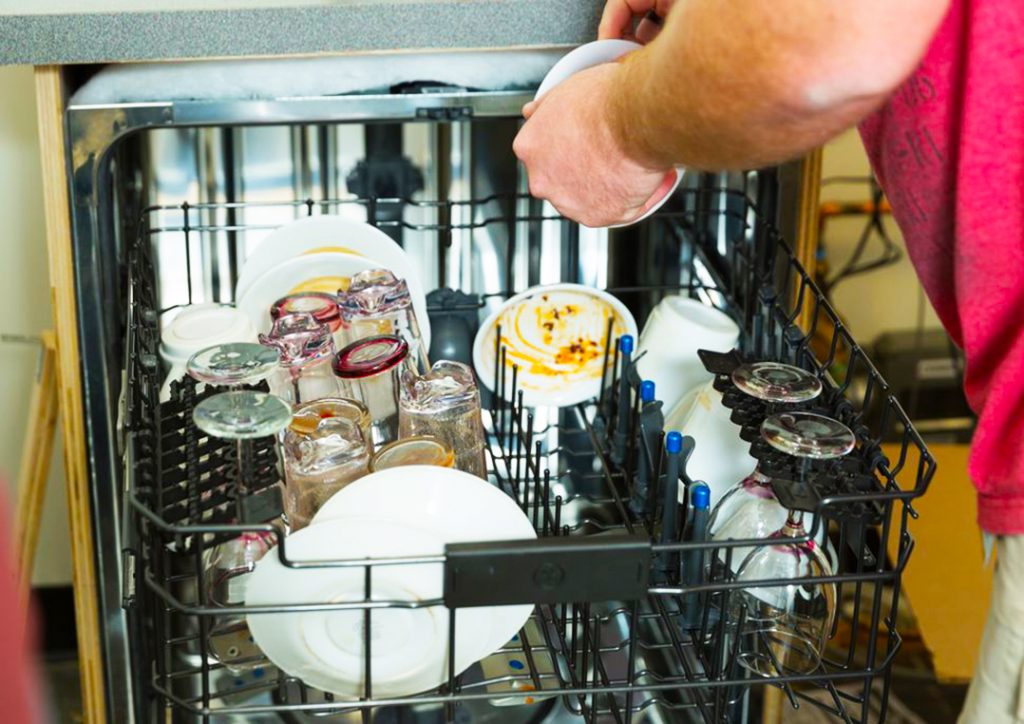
<point>529,109</point>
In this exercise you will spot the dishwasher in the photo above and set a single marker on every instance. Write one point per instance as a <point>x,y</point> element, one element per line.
<point>170,195</point>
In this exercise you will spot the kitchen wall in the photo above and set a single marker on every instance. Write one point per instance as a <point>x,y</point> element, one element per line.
<point>883,300</point>
<point>25,301</point>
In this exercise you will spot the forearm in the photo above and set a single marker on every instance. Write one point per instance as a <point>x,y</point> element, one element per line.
<point>732,84</point>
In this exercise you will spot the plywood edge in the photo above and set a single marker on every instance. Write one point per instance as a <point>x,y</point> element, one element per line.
<point>50,103</point>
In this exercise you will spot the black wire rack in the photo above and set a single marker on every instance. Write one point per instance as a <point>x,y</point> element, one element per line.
<point>609,647</point>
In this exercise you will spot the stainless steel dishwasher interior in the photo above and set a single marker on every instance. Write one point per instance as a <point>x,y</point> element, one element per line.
<point>263,169</point>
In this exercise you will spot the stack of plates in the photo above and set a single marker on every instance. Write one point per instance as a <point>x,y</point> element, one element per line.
<point>321,254</point>
<point>397,513</point>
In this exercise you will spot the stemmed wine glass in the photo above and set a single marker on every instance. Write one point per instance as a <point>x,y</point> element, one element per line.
<point>241,416</point>
<point>233,365</point>
<point>750,509</point>
<point>787,624</point>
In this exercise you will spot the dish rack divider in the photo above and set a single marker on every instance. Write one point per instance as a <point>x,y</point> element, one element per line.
<point>624,648</point>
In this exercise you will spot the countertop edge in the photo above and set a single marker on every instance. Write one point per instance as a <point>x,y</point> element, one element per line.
<point>355,27</point>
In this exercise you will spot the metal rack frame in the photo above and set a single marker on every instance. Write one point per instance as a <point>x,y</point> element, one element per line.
<point>752,274</point>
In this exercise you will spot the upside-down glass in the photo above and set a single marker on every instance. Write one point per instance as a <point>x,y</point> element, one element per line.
<point>787,625</point>
<point>420,450</point>
<point>306,348</point>
<point>233,365</point>
<point>372,368</point>
<point>750,509</point>
<point>445,403</point>
<point>377,303</point>
<point>322,458</point>
<point>241,416</point>
<point>323,307</point>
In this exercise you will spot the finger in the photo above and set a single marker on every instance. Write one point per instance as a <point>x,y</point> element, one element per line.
<point>529,109</point>
<point>648,28</point>
<point>617,18</point>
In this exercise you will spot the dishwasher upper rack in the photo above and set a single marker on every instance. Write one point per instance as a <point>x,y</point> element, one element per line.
<point>740,274</point>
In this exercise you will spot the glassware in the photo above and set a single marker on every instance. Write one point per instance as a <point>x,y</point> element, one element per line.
<point>306,348</point>
<point>241,416</point>
<point>750,509</point>
<point>321,459</point>
<point>445,403</point>
<point>323,307</point>
<point>233,365</point>
<point>377,303</point>
<point>421,450</point>
<point>307,416</point>
<point>374,367</point>
<point>787,625</point>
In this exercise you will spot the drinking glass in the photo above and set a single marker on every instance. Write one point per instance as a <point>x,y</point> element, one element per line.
<point>420,450</point>
<point>377,303</point>
<point>787,624</point>
<point>373,368</point>
<point>445,403</point>
<point>241,416</point>
<point>233,365</point>
<point>323,307</point>
<point>320,461</point>
<point>750,509</point>
<point>306,348</point>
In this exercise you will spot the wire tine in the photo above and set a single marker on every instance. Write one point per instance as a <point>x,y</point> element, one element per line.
<point>607,351</point>
<point>497,379</point>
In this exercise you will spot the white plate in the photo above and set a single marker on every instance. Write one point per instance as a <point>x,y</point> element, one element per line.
<point>334,233</point>
<point>454,506</point>
<point>542,378</point>
<point>322,271</point>
<point>325,648</point>
<point>587,56</point>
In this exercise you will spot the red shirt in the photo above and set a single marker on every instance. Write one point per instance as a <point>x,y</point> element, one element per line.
<point>948,148</point>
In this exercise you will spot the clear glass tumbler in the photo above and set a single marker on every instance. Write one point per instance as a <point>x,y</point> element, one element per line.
<point>320,462</point>
<point>373,368</point>
<point>377,303</point>
<point>306,348</point>
<point>323,307</point>
<point>421,450</point>
<point>445,404</point>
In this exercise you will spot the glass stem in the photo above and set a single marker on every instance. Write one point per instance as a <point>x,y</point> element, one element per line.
<point>243,449</point>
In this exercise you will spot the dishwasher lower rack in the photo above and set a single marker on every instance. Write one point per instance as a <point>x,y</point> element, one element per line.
<point>617,654</point>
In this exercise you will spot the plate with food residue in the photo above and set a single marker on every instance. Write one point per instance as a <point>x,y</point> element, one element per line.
<point>557,336</point>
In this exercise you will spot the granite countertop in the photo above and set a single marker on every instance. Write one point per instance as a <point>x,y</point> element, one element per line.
<point>111,31</point>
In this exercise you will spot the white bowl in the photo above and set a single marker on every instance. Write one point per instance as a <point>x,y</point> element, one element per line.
<point>454,506</point>
<point>337,234</point>
<point>587,56</point>
<point>409,649</point>
<point>542,380</point>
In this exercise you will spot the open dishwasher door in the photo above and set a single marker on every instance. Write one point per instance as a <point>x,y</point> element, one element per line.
<point>173,194</point>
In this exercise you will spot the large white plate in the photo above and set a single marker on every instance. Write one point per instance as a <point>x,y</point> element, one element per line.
<point>454,506</point>
<point>542,378</point>
<point>334,233</point>
<point>587,56</point>
<point>325,648</point>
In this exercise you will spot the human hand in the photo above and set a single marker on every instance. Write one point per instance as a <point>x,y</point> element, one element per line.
<point>617,19</point>
<point>575,160</point>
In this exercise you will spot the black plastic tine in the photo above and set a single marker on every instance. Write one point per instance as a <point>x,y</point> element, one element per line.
<point>499,424</point>
<point>513,412</point>
<point>537,488</point>
<point>613,394</point>
<point>367,636</point>
<point>547,504</point>
<point>449,707</point>
<point>558,514</point>
<point>497,368</point>
<point>607,351</point>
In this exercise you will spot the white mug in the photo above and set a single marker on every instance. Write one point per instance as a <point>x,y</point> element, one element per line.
<point>676,329</point>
